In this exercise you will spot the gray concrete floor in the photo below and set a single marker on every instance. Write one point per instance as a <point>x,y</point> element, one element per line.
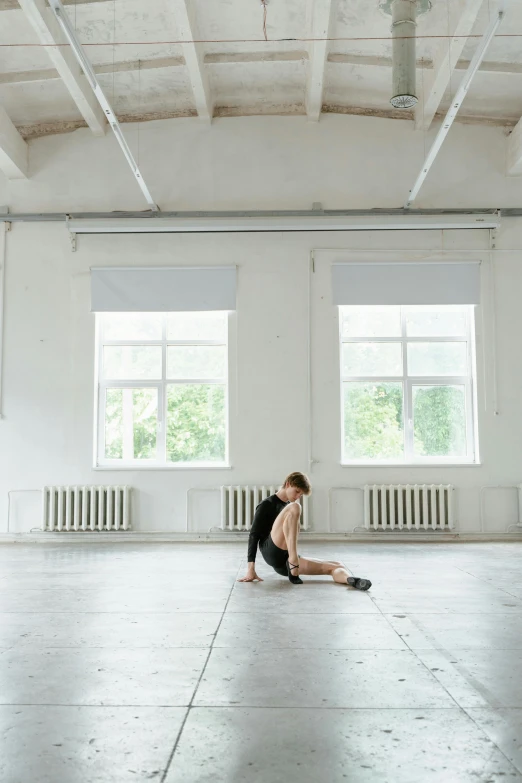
<point>138,662</point>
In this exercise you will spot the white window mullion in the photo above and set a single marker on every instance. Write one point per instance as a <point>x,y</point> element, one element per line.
<point>406,391</point>
<point>162,400</point>
<point>203,381</point>
<point>138,384</point>
<point>408,419</point>
<point>99,401</point>
<point>426,339</point>
<point>128,425</point>
<point>162,425</point>
<point>100,407</point>
<point>470,396</point>
<point>156,342</point>
<point>342,379</point>
<point>372,378</point>
<point>227,392</point>
<point>438,380</point>
<point>470,447</point>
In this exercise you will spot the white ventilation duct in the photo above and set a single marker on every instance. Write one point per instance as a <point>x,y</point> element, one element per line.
<point>404,24</point>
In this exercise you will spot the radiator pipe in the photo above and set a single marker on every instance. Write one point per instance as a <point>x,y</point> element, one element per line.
<point>3,255</point>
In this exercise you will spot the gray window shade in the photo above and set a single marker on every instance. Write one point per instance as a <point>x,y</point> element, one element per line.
<point>162,289</point>
<point>408,283</point>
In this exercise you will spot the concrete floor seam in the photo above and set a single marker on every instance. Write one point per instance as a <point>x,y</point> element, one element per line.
<point>472,681</point>
<point>180,732</point>
<point>481,690</point>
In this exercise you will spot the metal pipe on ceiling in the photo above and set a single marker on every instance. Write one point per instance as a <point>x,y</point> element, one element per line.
<point>404,26</point>
<point>266,221</point>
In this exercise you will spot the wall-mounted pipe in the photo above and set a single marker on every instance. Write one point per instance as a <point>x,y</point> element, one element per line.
<point>3,255</point>
<point>493,321</point>
<point>311,272</point>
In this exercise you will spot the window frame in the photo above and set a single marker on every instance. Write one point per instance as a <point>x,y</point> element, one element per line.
<point>101,384</point>
<point>409,382</point>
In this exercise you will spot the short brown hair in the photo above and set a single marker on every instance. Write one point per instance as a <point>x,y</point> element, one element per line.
<point>299,481</point>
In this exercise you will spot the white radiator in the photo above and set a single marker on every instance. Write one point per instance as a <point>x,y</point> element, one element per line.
<point>86,508</point>
<point>408,506</point>
<point>238,505</point>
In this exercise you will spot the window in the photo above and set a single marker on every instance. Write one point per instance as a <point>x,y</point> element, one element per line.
<point>162,389</point>
<point>407,384</point>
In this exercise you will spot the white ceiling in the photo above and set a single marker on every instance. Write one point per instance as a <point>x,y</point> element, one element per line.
<point>145,75</point>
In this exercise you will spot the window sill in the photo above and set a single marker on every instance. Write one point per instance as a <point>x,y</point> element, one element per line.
<point>160,467</point>
<point>411,464</point>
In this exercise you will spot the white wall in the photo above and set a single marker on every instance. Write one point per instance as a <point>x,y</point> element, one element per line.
<point>249,163</point>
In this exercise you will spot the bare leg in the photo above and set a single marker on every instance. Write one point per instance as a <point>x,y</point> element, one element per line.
<point>311,567</point>
<point>286,530</point>
<point>284,535</point>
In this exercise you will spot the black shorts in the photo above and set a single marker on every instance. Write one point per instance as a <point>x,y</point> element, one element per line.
<point>274,556</point>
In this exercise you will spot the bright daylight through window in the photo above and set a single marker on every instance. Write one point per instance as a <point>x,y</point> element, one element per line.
<point>162,389</point>
<point>407,384</point>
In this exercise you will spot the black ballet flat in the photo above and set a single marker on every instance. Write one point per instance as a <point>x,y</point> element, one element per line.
<point>359,584</point>
<point>294,579</point>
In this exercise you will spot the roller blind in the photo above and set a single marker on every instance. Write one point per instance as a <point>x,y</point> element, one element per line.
<point>162,289</point>
<point>408,283</point>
